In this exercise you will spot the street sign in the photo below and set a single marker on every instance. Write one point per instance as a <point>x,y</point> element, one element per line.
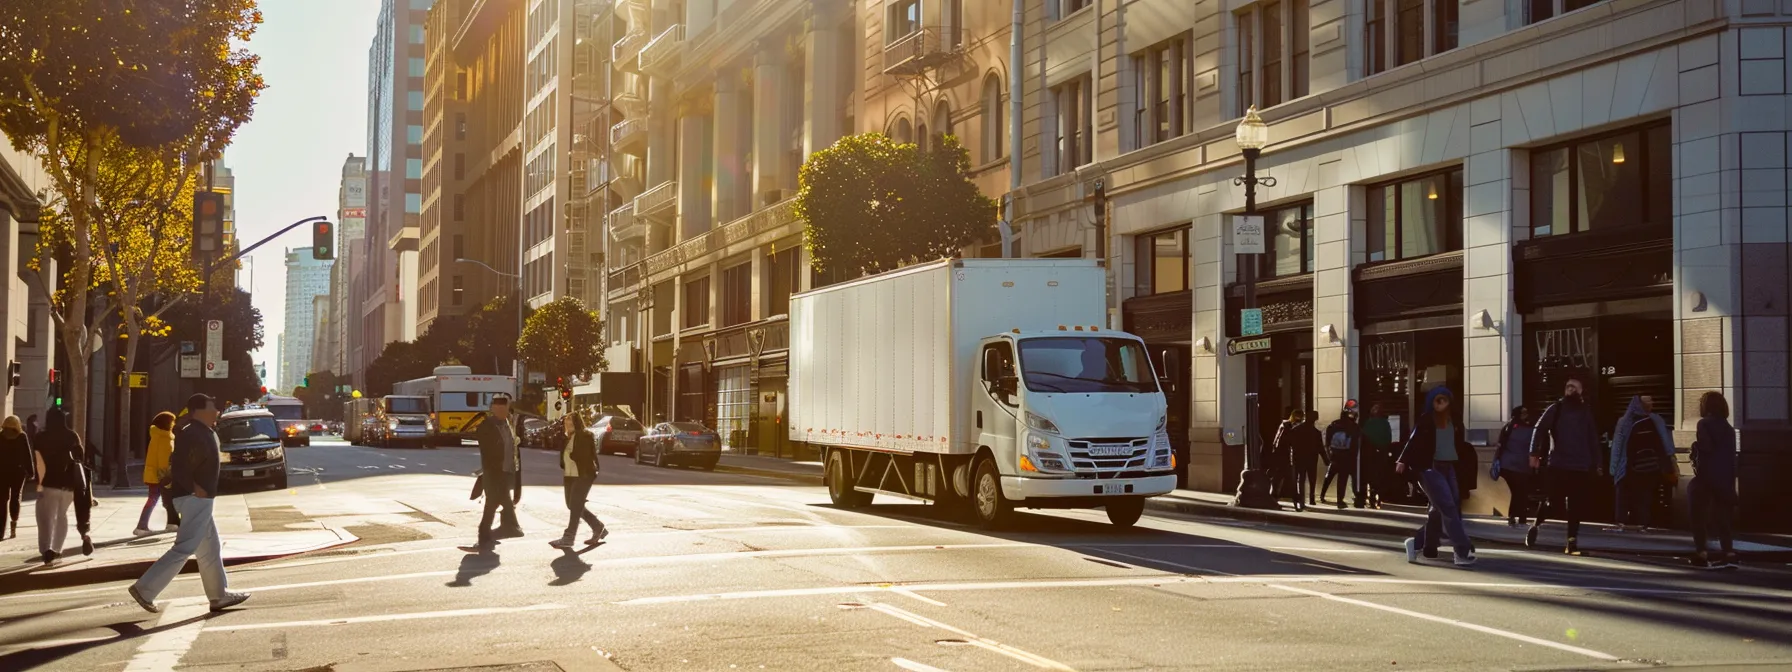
<point>1239,346</point>
<point>1247,234</point>
<point>138,380</point>
<point>1250,322</point>
<point>189,366</point>
<point>214,340</point>
<point>217,369</point>
<point>189,348</point>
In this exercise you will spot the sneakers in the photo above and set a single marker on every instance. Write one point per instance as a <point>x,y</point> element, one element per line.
<point>147,604</point>
<point>229,600</point>
<point>50,557</point>
<point>171,527</point>
<point>1700,560</point>
<point>1730,561</point>
<point>1412,550</point>
<point>562,543</point>
<point>1530,536</point>
<point>476,549</point>
<point>86,545</point>
<point>141,532</point>
<point>1573,546</point>
<point>1465,560</point>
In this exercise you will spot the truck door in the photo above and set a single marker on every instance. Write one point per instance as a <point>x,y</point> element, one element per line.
<point>996,401</point>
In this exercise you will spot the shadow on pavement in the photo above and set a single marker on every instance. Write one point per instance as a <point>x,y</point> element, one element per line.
<point>570,567</point>
<point>473,566</point>
<point>31,658</point>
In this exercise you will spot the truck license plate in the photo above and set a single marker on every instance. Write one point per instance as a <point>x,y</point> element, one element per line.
<point>1110,451</point>
<point>249,472</point>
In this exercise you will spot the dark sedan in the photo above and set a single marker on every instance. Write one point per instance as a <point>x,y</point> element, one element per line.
<point>684,443</point>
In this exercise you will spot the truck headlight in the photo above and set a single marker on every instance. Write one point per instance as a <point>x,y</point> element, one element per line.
<point>276,452</point>
<point>392,424</point>
<point>1040,446</point>
<point>1041,423</point>
<point>1161,459</point>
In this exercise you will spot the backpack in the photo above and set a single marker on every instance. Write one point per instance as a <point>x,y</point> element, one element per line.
<point>1340,442</point>
<point>1644,447</point>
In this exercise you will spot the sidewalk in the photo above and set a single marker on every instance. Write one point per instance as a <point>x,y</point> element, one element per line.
<point>120,555</point>
<point>1396,520</point>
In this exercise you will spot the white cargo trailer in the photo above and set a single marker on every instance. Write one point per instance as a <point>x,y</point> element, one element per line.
<point>987,382</point>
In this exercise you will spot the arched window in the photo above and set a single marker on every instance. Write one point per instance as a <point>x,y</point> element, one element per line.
<point>992,118</point>
<point>902,131</point>
<point>942,119</point>
<point>922,138</point>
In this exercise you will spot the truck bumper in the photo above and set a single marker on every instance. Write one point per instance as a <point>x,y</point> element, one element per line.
<point>1019,488</point>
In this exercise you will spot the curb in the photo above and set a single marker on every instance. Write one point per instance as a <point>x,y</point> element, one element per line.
<point>123,571</point>
<point>808,479</point>
<point>1187,507</point>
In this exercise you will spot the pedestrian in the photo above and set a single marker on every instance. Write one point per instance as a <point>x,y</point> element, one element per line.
<point>193,472</point>
<point>16,466</point>
<point>578,459</point>
<point>60,481</point>
<point>501,476</point>
<point>1433,450</point>
<point>155,470</point>
<point>1564,451</point>
<point>1713,486</point>
<point>1642,458</point>
<point>1512,463</point>
<point>1343,441</point>
<point>31,427</point>
<point>1378,440</point>
<point>1309,456</point>
<point>1279,456</point>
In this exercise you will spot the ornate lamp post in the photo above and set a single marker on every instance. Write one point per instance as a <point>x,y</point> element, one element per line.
<point>1253,484</point>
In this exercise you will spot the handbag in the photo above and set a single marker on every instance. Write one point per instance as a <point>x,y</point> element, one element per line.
<point>1493,470</point>
<point>478,485</point>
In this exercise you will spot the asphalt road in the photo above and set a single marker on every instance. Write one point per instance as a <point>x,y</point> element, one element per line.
<point>710,571</point>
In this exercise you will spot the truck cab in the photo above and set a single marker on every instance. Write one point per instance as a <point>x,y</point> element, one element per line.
<point>405,420</point>
<point>1072,417</point>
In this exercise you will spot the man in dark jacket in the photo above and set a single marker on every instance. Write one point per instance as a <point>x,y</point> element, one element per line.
<point>1565,450</point>
<point>501,471</point>
<point>1435,451</point>
<point>194,468</point>
<point>1378,442</point>
<point>1343,442</point>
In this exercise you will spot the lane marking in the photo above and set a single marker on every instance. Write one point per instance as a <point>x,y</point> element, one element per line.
<point>907,664</point>
<point>917,597</point>
<point>1450,621</point>
<point>985,643</point>
<point>163,650</point>
<point>456,613</point>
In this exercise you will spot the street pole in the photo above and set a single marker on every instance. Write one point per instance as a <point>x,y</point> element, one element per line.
<point>1253,484</point>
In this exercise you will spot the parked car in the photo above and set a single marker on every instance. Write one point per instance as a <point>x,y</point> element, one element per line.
<point>680,443</point>
<point>616,434</point>
<point>318,428</point>
<point>250,449</point>
<point>531,431</point>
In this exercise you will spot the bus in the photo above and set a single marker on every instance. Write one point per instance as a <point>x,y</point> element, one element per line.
<point>289,412</point>
<point>459,397</point>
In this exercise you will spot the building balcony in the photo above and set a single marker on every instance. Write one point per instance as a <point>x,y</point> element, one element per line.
<point>638,12</point>
<point>913,54</point>
<point>625,226</point>
<point>627,181</point>
<point>630,136</point>
<point>627,50</point>
<point>660,202</point>
<point>631,95</point>
<point>660,55</point>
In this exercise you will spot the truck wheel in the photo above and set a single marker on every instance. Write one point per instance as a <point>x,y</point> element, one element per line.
<point>1124,512</point>
<point>840,484</point>
<point>991,508</point>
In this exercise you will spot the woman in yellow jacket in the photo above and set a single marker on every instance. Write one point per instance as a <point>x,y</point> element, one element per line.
<point>161,447</point>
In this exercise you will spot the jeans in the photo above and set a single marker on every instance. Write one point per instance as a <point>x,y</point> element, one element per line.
<point>1568,493</point>
<point>1636,496</point>
<point>577,489</point>
<point>197,538</point>
<point>14,492</point>
<point>497,494</point>
<point>52,518</point>
<point>1344,469</point>
<point>1520,483</point>
<point>1713,504</point>
<point>1445,514</point>
<point>155,495</point>
<point>1306,478</point>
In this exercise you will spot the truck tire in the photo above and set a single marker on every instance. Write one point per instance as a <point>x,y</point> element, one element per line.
<point>1125,511</point>
<point>840,488</point>
<point>991,510</point>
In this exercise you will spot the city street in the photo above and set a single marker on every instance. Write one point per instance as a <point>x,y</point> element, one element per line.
<point>724,571</point>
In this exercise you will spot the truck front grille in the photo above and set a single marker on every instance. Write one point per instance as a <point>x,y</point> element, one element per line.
<point>1109,454</point>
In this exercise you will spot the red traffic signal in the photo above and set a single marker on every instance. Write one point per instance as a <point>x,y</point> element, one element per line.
<point>565,393</point>
<point>323,241</point>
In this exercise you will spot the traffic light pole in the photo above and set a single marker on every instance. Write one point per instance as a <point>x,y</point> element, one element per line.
<point>232,258</point>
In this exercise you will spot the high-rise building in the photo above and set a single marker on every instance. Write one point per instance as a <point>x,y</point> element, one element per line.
<point>27,332</point>
<point>441,281</point>
<point>395,176</point>
<point>346,288</point>
<point>306,279</point>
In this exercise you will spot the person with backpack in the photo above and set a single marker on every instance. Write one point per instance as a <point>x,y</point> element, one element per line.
<point>1513,464</point>
<point>1713,487</point>
<point>1642,458</point>
<point>1565,450</point>
<point>1343,440</point>
<point>1434,451</point>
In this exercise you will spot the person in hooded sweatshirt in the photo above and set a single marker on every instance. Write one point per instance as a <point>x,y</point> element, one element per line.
<point>1713,487</point>
<point>1565,450</point>
<point>1642,457</point>
<point>155,468</point>
<point>1344,441</point>
<point>1435,450</point>
<point>1514,460</point>
<point>1308,455</point>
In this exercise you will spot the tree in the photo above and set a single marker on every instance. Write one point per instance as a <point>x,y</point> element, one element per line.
<point>242,334</point>
<point>101,96</point>
<point>488,339</point>
<point>563,339</point>
<point>870,204</point>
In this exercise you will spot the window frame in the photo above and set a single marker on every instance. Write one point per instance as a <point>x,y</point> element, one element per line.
<point>1644,157</point>
<point>735,301</point>
<point>1556,8</point>
<point>1074,132</point>
<point>1439,25</point>
<point>992,119</point>
<point>1160,91</point>
<point>910,11</point>
<point>1291,64</point>
<point>1266,262</point>
<point>1145,265</point>
<point>689,289</point>
<point>1454,197</point>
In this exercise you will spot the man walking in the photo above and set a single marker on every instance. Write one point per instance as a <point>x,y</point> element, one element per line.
<point>501,469</point>
<point>194,471</point>
<point>1564,450</point>
<point>1343,440</point>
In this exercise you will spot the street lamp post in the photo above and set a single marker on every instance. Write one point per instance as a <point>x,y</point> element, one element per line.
<point>1253,484</point>
<point>516,367</point>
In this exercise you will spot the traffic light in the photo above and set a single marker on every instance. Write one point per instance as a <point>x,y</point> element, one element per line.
<point>264,390</point>
<point>565,392</point>
<point>323,242</point>
<point>208,225</point>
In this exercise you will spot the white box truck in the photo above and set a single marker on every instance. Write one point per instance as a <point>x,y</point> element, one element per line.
<point>986,384</point>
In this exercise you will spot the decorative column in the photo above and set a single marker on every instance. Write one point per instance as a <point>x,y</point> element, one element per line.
<point>825,91</point>
<point>694,167</point>
<point>729,148</point>
<point>1334,353</point>
<point>768,120</point>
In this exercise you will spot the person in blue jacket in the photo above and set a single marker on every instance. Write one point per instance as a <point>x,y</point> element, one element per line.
<point>1565,451</point>
<point>1642,456</point>
<point>1437,448</point>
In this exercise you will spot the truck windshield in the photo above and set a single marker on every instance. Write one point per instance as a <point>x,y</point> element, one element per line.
<point>287,411</point>
<point>248,429</point>
<point>406,405</point>
<point>1085,364</point>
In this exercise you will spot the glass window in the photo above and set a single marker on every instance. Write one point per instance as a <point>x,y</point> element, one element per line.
<point>1618,180</point>
<point>416,67</point>
<point>248,429</point>
<point>904,19</point>
<point>696,303</point>
<point>1163,260</point>
<point>1417,217</point>
<point>1087,364</point>
<point>737,295</point>
<point>414,99</point>
<point>1291,250</point>
<point>1271,28</point>
<point>413,135</point>
<point>992,118</point>
<point>413,169</point>
<point>416,34</point>
<point>413,204</point>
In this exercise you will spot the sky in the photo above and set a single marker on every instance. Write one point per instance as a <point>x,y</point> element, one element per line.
<point>288,158</point>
